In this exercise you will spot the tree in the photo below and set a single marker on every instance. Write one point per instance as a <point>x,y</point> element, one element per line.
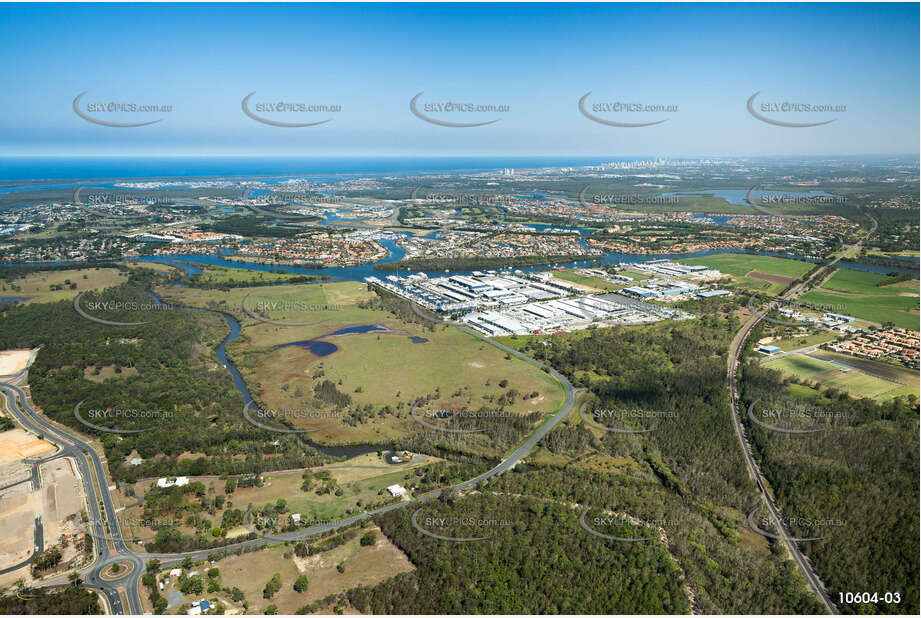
<point>300,585</point>
<point>368,538</point>
<point>271,610</point>
<point>192,585</point>
<point>273,586</point>
<point>230,486</point>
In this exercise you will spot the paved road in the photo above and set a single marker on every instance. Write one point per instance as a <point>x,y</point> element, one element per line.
<point>754,471</point>
<point>39,543</point>
<point>76,447</point>
<point>80,451</point>
<point>14,484</point>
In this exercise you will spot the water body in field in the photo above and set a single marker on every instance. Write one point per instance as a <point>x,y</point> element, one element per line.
<point>324,348</point>
<point>221,353</point>
<point>319,348</point>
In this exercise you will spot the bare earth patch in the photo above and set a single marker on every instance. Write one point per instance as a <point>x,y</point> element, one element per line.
<point>14,361</point>
<point>757,274</point>
<point>17,444</point>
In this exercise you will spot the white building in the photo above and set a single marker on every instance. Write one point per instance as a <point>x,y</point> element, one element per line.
<point>397,490</point>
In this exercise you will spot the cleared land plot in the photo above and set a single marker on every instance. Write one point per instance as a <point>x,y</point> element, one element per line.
<point>361,479</point>
<point>62,495</point>
<point>18,506</point>
<point>796,342</point>
<point>754,274</point>
<point>17,444</point>
<point>220,274</point>
<point>853,381</point>
<point>106,372</point>
<point>757,273</point>
<point>377,368</point>
<point>741,264</point>
<point>14,361</point>
<point>363,566</point>
<point>908,377</point>
<point>859,282</point>
<point>857,294</point>
<point>55,285</point>
<point>590,282</point>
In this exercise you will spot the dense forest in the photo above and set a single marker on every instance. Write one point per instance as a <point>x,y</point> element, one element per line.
<point>70,600</point>
<point>852,481</point>
<point>161,381</point>
<point>685,481</point>
<point>535,559</point>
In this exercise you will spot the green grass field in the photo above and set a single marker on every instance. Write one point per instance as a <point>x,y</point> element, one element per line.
<point>855,293</point>
<point>361,566</point>
<point>739,264</point>
<point>794,343</point>
<point>37,287</point>
<point>800,366</point>
<point>220,274</point>
<point>859,282</point>
<point>854,382</point>
<point>452,367</point>
<point>593,282</point>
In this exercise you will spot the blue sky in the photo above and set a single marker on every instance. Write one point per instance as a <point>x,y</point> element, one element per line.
<point>538,60</point>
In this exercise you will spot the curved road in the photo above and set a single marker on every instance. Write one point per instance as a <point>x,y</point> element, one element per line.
<point>754,471</point>
<point>75,447</point>
<point>79,450</point>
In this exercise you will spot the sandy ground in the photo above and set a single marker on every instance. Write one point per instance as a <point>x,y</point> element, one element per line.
<point>769,277</point>
<point>62,496</point>
<point>18,506</point>
<point>14,361</point>
<point>17,444</point>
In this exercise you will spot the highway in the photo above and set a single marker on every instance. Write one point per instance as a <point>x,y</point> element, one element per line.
<point>76,448</point>
<point>80,451</point>
<point>754,471</point>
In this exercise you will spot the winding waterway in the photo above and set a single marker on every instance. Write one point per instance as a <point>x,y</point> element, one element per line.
<point>221,352</point>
